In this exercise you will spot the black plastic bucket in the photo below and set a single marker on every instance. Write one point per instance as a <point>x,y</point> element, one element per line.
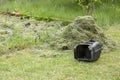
<point>87,51</point>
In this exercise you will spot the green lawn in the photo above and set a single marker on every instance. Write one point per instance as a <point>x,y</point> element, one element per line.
<point>26,65</point>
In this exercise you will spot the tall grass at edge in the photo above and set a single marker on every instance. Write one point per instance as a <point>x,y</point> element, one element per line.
<point>105,14</point>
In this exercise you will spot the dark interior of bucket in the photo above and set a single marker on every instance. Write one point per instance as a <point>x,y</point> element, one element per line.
<point>83,52</point>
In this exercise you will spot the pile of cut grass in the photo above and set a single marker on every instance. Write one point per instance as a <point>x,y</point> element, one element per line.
<point>81,30</point>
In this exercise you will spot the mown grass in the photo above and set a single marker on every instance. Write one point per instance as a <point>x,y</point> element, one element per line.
<point>114,32</point>
<point>26,65</point>
<point>14,35</point>
<point>105,14</point>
